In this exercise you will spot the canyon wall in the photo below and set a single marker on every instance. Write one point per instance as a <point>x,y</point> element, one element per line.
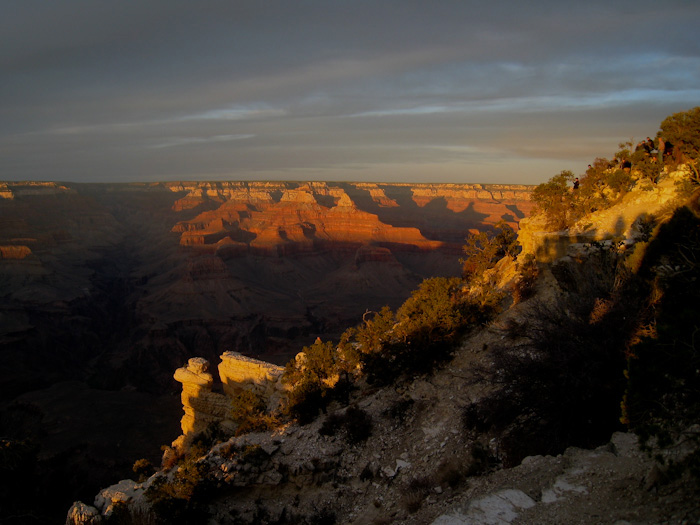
<point>107,288</point>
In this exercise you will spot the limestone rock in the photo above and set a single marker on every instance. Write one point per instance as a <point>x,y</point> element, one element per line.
<point>126,491</point>
<point>202,406</point>
<point>240,372</point>
<point>272,218</point>
<point>82,514</point>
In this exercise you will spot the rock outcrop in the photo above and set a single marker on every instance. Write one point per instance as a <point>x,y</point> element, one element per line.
<point>204,408</point>
<point>238,372</point>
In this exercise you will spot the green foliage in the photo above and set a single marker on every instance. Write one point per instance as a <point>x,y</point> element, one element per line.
<point>553,200</point>
<point>143,469</point>
<point>683,131</point>
<point>178,496</point>
<point>484,249</point>
<point>427,326</point>
<point>434,311</point>
<point>249,412</point>
<point>374,333</point>
<point>646,165</point>
<point>602,186</point>
<point>321,375</point>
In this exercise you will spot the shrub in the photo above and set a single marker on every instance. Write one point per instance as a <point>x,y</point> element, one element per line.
<point>415,493</point>
<point>179,497</point>
<point>305,401</point>
<point>527,279</point>
<point>143,469</point>
<point>683,131</point>
<point>482,461</point>
<point>483,250</point>
<point>249,412</point>
<point>553,200</point>
<point>399,410</point>
<point>374,332</point>
<point>314,378</point>
<point>435,310</point>
<point>355,425</point>
<point>451,474</point>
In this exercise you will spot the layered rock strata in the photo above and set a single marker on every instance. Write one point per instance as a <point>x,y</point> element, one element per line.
<point>287,217</point>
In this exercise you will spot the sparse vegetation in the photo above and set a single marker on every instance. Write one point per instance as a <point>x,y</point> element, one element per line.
<point>414,340</point>
<point>528,272</point>
<point>558,373</point>
<point>605,182</point>
<point>143,469</point>
<point>415,493</point>
<point>682,130</point>
<point>179,496</point>
<point>249,412</point>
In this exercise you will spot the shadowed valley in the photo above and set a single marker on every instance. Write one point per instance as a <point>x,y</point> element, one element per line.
<point>106,289</point>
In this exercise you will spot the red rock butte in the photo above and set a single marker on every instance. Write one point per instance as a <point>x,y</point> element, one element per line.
<point>283,217</point>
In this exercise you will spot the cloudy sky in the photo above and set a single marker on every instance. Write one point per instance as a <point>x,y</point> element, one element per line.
<point>384,90</point>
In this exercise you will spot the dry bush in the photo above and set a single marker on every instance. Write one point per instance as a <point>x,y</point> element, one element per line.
<point>415,493</point>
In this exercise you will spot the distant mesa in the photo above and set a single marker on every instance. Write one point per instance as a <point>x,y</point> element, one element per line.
<point>14,252</point>
<point>284,217</point>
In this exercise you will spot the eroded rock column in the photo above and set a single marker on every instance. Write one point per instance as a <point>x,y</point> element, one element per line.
<point>202,406</point>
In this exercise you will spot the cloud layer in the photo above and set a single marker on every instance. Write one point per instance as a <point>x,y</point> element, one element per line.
<point>402,90</point>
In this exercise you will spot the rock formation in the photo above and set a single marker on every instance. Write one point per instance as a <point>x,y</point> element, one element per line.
<point>238,372</point>
<point>422,461</point>
<point>205,408</point>
<point>287,217</point>
<point>201,405</point>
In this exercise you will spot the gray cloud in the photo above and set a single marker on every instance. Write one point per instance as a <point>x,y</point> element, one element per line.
<point>384,90</point>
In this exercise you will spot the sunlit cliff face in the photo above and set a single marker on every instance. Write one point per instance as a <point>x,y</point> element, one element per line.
<point>278,216</point>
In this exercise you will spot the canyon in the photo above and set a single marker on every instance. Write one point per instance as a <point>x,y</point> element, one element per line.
<point>108,288</point>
